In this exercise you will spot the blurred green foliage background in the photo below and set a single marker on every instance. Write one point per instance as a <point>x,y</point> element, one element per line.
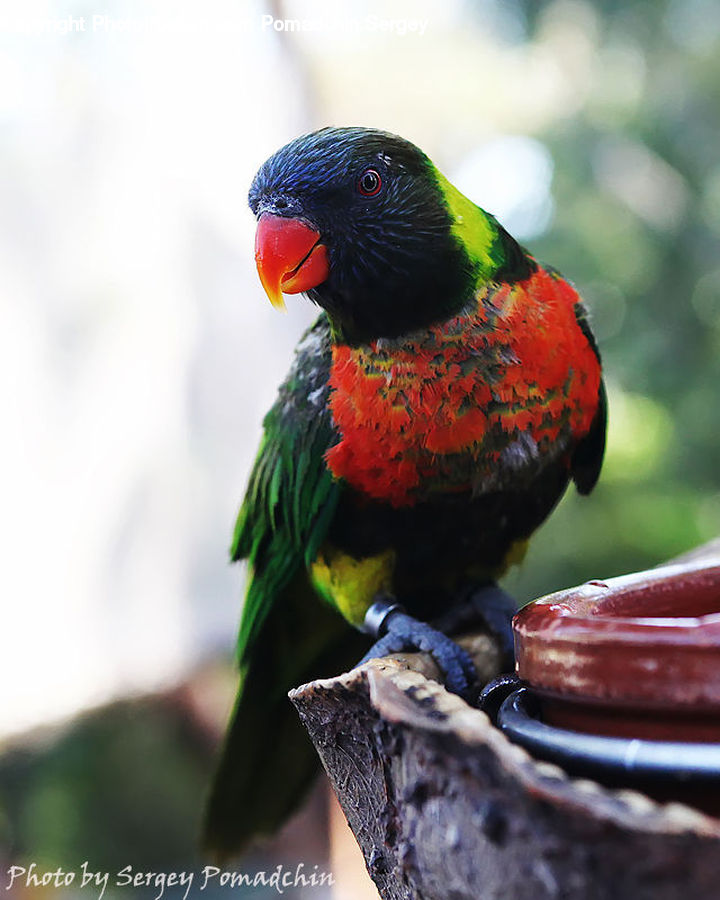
<point>637,227</point>
<point>622,99</point>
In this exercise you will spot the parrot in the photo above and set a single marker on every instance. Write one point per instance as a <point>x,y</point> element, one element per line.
<point>433,416</point>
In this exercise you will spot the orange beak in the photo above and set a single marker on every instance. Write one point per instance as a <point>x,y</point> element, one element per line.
<point>289,257</point>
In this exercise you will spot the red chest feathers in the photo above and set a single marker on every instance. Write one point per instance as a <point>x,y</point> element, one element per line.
<point>460,406</point>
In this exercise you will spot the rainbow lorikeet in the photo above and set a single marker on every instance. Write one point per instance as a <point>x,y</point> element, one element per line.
<point>432,418</point>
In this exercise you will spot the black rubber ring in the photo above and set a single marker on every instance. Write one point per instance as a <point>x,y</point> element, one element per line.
<point>377,615</point>
<point>596,755</point>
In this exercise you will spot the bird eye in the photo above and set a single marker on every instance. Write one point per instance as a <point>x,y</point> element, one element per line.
<point>369,183</point>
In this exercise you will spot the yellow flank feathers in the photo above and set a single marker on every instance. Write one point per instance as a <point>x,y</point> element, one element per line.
<point>514,556</point>
<point>351,584</point>
<point>516,553</point>
<point>471,226</point>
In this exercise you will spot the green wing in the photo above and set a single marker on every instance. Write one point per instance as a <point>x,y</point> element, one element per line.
<point>288,635</point>
<point>291,497</point>
<point>588,457</point>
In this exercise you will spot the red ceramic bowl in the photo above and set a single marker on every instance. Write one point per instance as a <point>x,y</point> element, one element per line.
<point>636,656</point>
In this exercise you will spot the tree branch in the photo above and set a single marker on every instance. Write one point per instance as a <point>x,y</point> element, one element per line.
<point>445,808</point>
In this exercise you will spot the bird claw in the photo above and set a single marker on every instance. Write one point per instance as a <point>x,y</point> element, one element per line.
<point>402,633</point>
<point>491,607</point>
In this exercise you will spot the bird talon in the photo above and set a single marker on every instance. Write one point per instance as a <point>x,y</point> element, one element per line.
<point>404,633</point>
<point>489,607</point>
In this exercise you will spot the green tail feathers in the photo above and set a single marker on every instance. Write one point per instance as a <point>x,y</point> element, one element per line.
<point>288,635</point>
<point>268,763</point>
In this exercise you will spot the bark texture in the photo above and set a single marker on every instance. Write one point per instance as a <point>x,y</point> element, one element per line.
<point>445,808</point>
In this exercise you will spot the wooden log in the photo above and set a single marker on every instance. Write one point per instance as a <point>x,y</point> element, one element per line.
<point>445,808</point>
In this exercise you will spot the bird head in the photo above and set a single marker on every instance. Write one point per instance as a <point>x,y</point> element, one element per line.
<point>363,223</point>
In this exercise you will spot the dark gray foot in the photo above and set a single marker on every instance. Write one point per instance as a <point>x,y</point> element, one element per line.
<point>399,632</point>
<point>490,607</point>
